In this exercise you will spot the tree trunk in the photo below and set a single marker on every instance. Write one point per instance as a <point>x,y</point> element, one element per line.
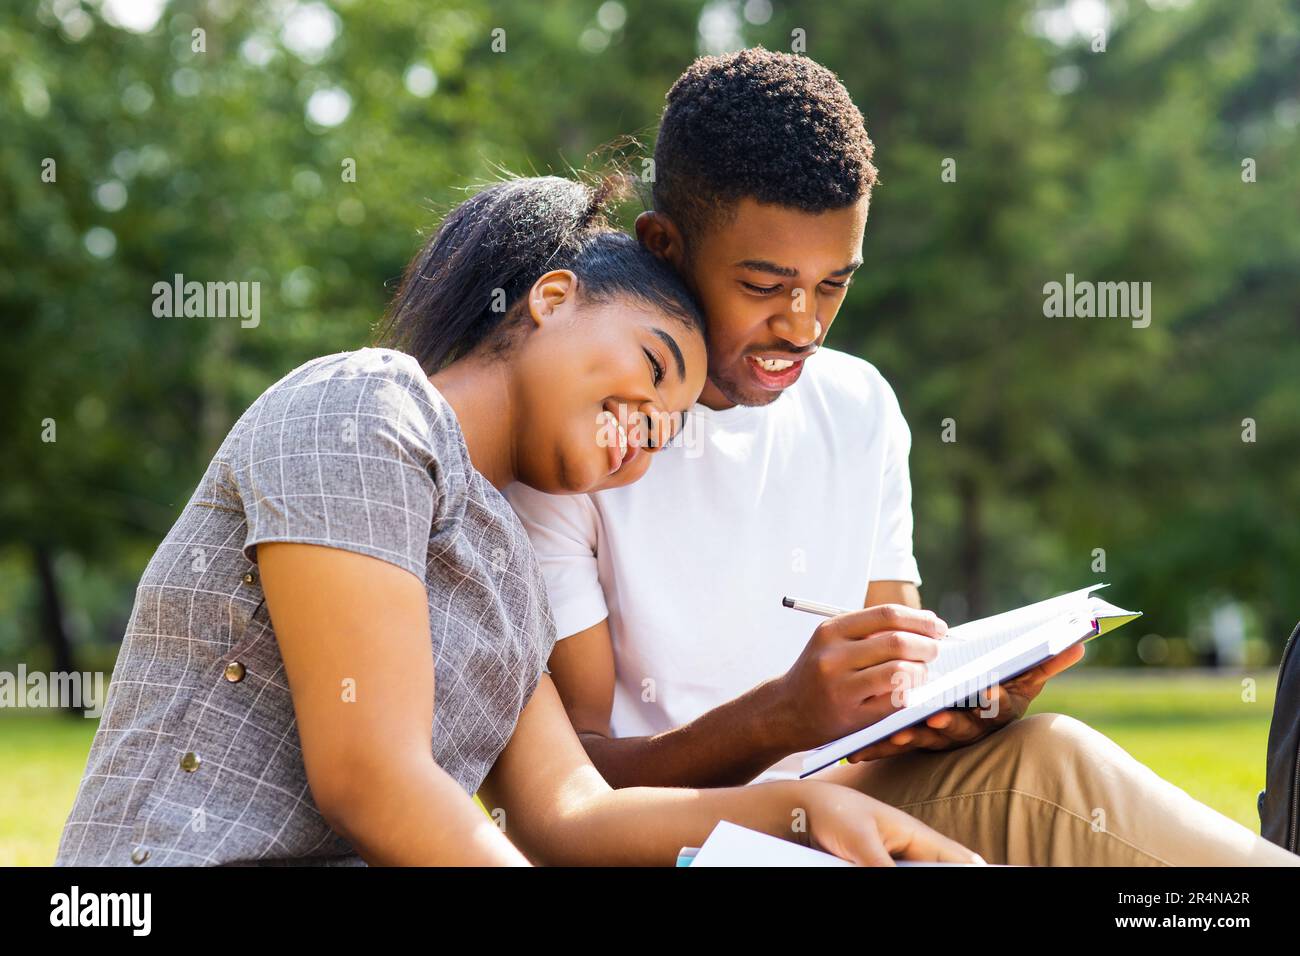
<point>52,619</point>
<point>972,546</point>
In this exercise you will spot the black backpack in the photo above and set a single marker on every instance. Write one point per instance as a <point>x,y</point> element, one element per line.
<point>1279,801</point>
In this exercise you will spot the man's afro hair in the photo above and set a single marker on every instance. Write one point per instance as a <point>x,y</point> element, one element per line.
<point>775,127</point>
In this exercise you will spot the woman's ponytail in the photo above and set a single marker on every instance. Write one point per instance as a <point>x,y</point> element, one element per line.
<point>486,255</point>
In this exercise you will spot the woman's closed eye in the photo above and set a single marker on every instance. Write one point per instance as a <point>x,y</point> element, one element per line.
<point>656,366</point>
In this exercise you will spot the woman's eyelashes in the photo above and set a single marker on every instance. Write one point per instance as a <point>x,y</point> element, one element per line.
<point>656,366</point>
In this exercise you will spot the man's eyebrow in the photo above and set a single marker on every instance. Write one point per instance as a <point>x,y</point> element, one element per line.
<point>677,352</point>
<point>764,265</point>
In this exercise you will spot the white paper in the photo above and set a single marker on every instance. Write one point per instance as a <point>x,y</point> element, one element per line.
<point>977,655</point>
<point>732,845</point>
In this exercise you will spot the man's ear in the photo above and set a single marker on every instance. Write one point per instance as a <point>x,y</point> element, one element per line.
<point>549,293</point>
<point>660,235</point>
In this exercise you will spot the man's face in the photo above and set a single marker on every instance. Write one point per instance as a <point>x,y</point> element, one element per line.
<point>770,280</point>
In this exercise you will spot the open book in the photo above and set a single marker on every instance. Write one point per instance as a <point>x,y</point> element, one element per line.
<point>732,845</point>
<point>976,656</point>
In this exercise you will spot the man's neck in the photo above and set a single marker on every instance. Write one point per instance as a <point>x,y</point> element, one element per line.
<point>714,399</point>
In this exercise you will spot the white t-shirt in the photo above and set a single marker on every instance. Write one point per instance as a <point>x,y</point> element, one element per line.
<point>807,497</point>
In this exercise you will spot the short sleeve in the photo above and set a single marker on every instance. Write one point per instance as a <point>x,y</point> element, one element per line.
<point>344,457</point>
<point>892,558</point>
<point>564,533</point>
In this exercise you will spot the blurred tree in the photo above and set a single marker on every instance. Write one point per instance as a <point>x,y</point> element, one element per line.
<point>305,145</point>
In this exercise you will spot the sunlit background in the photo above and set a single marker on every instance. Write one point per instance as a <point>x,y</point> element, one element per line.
<point>1115,141</point>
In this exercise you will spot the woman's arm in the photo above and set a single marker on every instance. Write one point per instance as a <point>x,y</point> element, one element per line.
<point>559,810</point>
<point>354,635</point>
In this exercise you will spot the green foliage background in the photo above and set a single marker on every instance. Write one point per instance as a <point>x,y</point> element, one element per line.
<point>1072,434</point>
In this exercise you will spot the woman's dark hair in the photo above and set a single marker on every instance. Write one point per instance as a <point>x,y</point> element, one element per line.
<point>473,273</point>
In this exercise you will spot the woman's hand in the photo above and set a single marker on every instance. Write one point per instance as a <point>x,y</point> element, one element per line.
<point>866,831</point>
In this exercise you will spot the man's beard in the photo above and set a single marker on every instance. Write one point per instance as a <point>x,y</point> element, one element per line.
<point>737,393</point>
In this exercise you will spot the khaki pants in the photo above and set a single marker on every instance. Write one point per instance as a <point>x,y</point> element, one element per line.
<point>1048,790</point>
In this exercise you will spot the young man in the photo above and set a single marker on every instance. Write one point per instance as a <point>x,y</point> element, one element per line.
<point>678,665</point>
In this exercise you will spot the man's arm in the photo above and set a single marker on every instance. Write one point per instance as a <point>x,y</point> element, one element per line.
<point>892,592</point>
<point>843,680</point>
<point>727,746</point>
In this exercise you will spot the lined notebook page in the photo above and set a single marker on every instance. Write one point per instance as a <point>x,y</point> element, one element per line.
<point>977,655</point>
<point>968,642</point>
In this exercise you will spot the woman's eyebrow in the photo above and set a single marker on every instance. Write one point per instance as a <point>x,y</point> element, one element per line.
<point>672,347</point>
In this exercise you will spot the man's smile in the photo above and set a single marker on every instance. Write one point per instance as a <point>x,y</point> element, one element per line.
<point>774,371</point>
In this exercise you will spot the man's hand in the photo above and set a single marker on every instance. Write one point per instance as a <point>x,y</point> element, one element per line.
<point>851,671</point>
<point>954,728</point>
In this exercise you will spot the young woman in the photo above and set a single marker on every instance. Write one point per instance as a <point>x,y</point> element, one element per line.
<point>344,635</point>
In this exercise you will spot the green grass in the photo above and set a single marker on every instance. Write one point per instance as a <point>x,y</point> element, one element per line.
<point>1192,729</point>
<point>42,756</point>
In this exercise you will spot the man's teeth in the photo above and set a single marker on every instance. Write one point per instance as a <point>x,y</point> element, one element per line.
<point>773,365</point>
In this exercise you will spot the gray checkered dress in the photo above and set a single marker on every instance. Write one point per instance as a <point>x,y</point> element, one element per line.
<point>197,758</point>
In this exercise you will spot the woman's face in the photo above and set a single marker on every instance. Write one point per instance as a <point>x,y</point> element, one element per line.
<point>598,387</point>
